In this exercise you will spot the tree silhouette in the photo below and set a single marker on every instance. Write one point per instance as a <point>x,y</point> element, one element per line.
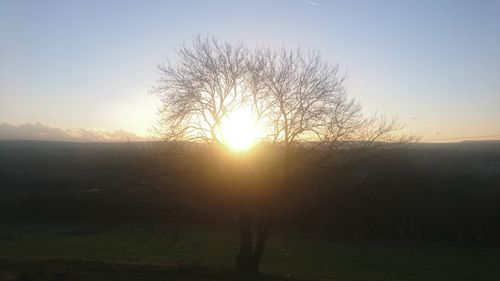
<point>298,98</point>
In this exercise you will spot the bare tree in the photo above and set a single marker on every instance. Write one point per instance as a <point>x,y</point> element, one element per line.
<point>200,90</point>
<point>300,100</point>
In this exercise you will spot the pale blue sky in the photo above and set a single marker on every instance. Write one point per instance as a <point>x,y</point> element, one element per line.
<point>89,64</point>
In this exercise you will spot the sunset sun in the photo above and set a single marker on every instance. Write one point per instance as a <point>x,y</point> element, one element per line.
<point>240,130</point>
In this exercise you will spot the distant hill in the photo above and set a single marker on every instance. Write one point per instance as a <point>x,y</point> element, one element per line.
<point>427,191</point>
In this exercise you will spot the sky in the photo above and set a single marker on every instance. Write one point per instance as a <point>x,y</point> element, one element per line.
<point>89,65</point>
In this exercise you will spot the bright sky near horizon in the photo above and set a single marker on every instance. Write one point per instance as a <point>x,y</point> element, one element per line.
<point>89,64</point>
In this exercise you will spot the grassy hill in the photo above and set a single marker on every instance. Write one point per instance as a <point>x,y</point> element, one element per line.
<point>145,251</point>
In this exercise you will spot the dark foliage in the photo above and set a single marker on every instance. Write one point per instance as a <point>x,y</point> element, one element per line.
<point>427,192</point>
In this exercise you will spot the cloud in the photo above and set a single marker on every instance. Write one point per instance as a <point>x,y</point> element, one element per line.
<point>311,2</point>
<point>39,131</point>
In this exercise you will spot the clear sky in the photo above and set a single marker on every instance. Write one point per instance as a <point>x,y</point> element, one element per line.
<point>89,64</point>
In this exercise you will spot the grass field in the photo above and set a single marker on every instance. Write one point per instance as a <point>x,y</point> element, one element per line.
<point>144,251</point>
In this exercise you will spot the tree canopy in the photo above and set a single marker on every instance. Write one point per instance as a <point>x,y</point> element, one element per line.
<point>292,95</point>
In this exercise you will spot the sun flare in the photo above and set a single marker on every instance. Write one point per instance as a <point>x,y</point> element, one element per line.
<point>240,130</point>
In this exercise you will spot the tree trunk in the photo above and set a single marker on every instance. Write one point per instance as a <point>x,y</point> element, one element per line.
<point>262,235</point>
<point>249,258</point>
<point>246,259</point>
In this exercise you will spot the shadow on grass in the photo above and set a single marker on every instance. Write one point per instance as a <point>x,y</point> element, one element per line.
<point>78,270</point>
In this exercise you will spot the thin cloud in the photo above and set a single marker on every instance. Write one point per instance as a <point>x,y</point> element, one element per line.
<point>311,2</point>
<point>39,131</point>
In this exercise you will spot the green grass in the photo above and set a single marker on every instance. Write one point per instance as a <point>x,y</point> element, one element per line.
<point>144,251</point>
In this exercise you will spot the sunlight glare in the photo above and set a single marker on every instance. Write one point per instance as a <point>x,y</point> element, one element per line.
<point>239,130</point>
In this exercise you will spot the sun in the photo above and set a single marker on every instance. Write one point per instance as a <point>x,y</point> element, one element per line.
<point>240,130</point>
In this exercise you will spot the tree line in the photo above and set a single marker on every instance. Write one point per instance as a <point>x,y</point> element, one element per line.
<point>445,193</point>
